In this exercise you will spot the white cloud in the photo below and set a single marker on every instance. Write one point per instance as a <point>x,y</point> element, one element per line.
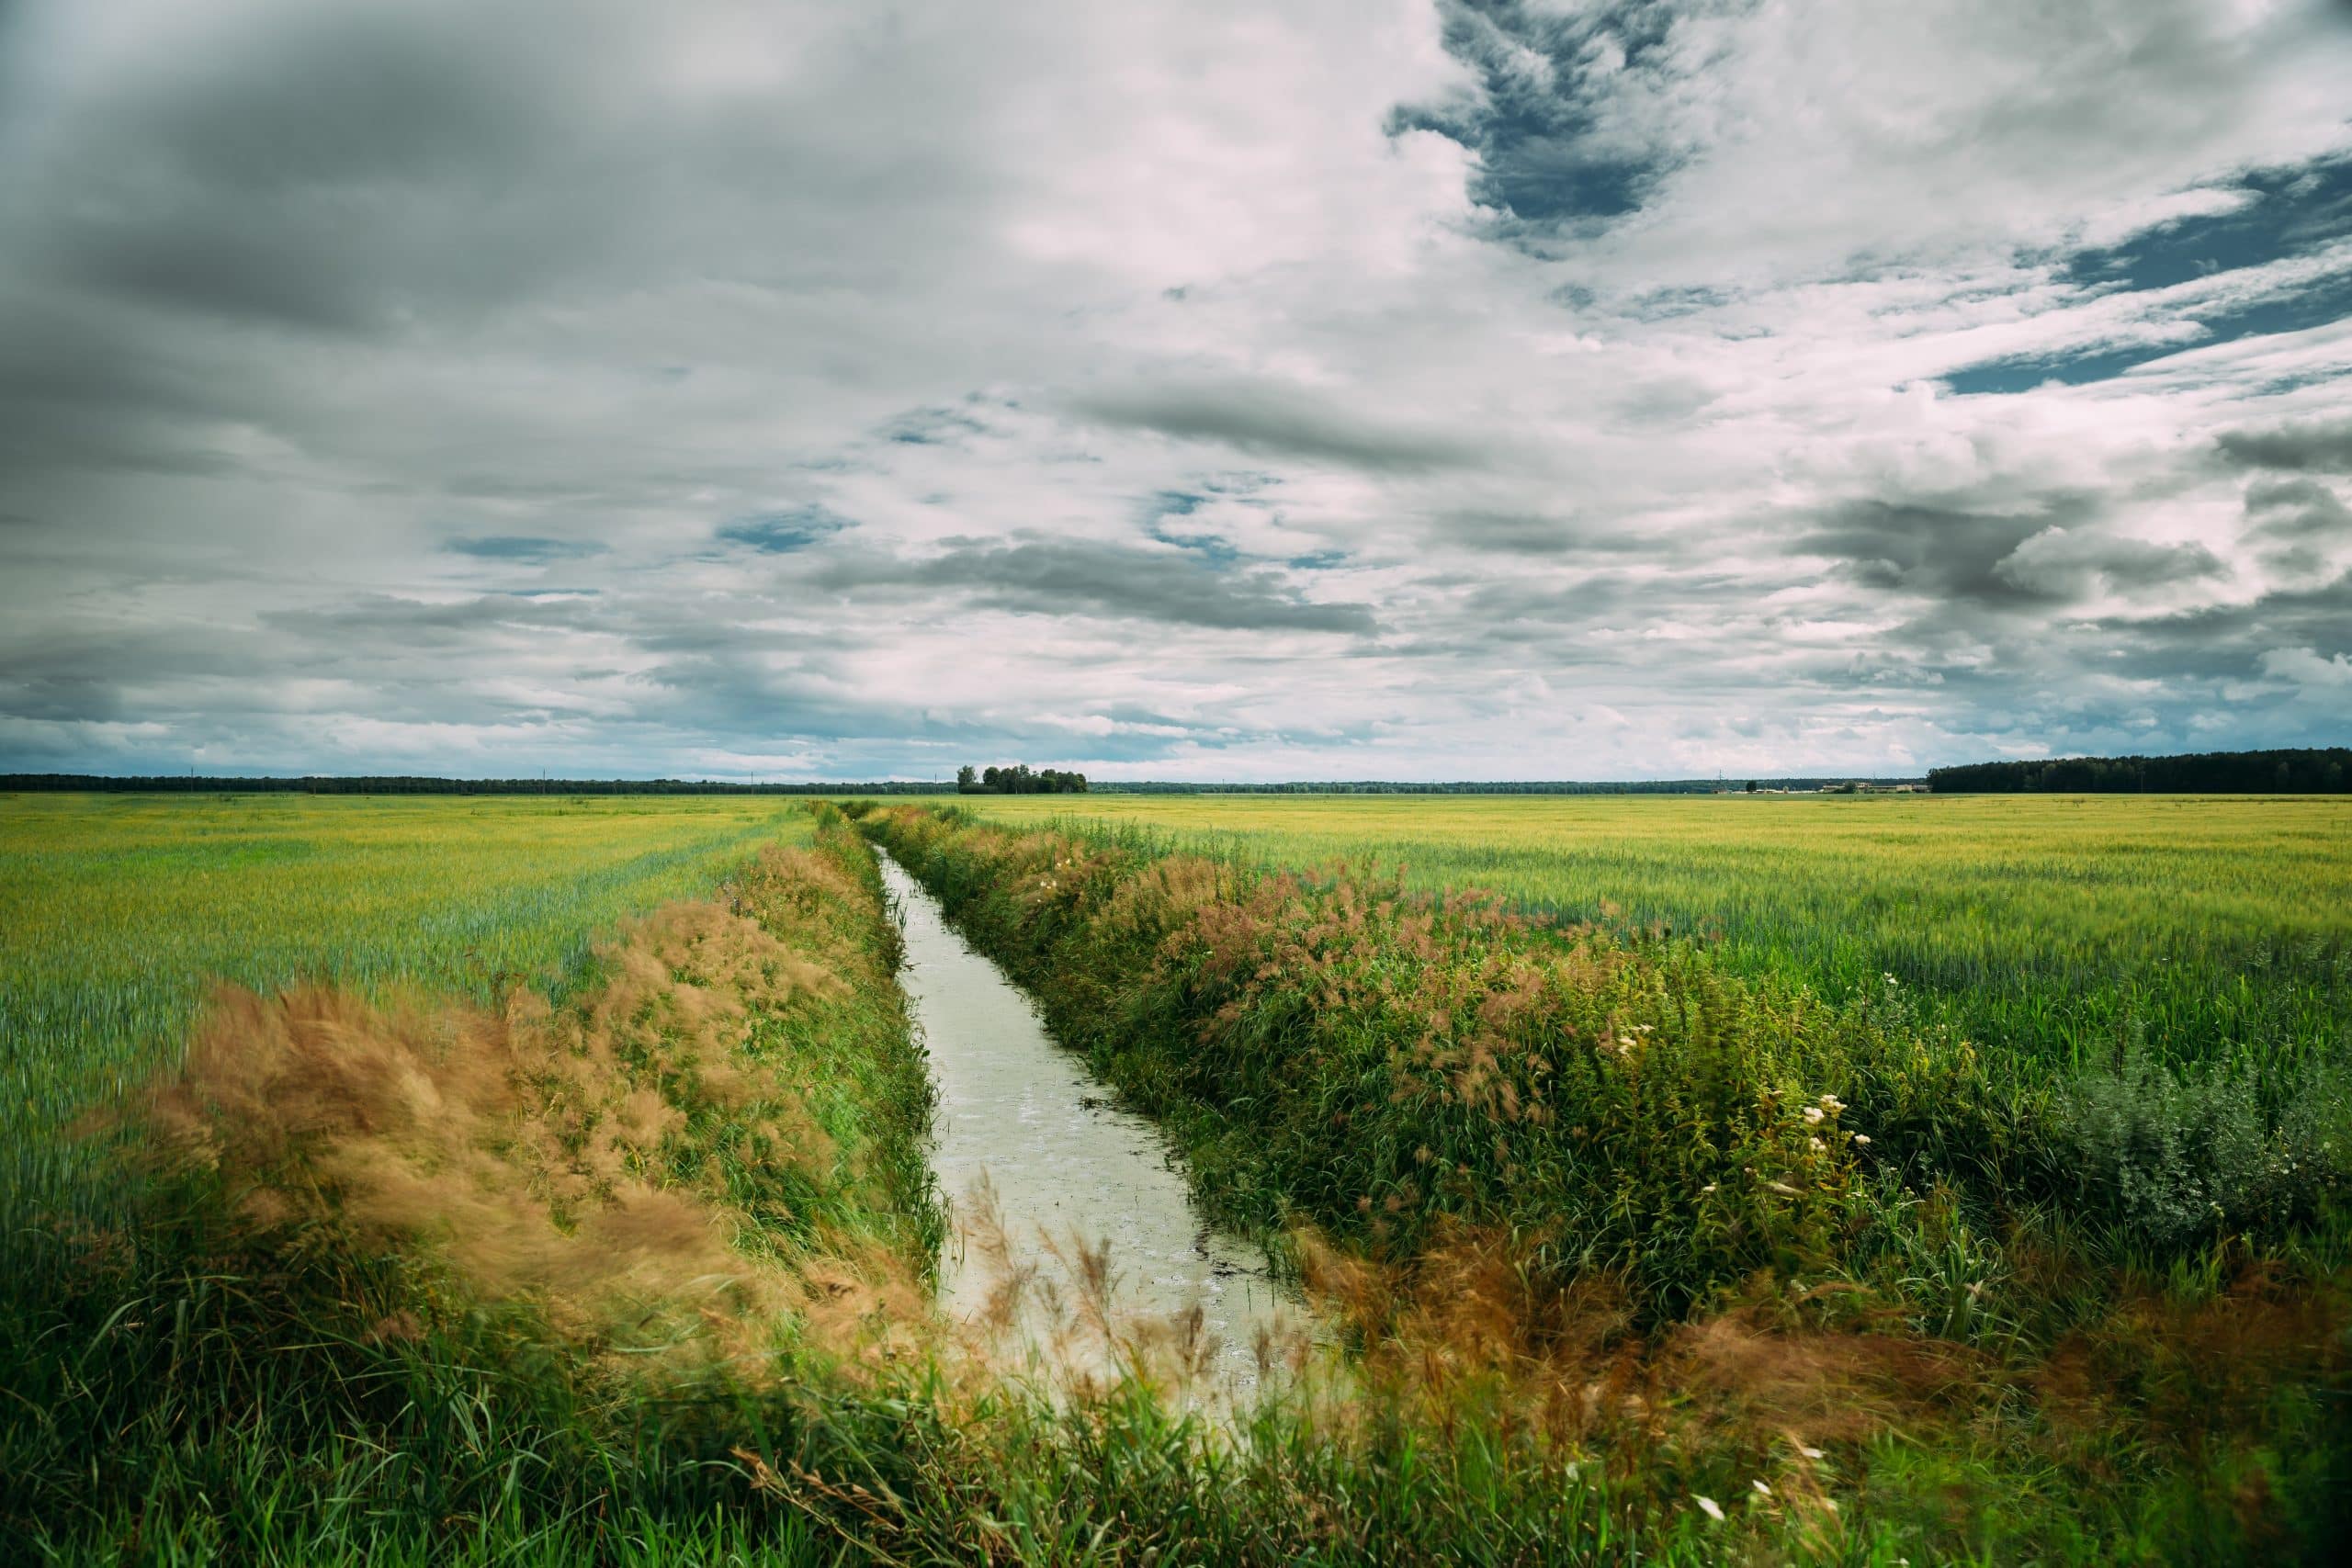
<point>293,297</point>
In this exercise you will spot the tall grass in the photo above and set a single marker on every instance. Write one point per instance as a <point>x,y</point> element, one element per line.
<point>543,1246</point>
<point>1743,1175</point>
<point>2050,928</point>
<point>409,1277</point>
<point>387,1300</point>
<point>117,911</point>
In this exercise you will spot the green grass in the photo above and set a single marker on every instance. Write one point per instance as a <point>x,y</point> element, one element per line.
<point>2126,1291</point>
<point>118,911</point>
<point>189,1377</point>
<point>182,1382</point>
<point>2049,927</point>
<point>2016,1362</point>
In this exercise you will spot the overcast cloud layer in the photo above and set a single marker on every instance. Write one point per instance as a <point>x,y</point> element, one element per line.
<point>1305,388</point>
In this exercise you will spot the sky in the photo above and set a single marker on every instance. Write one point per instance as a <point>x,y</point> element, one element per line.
<point>1273,390</point>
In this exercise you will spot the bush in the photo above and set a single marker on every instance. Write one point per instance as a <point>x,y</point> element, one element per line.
<point>2176,1159</point>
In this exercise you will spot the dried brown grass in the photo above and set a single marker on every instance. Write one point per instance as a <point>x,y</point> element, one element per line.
<point>530,1149</point>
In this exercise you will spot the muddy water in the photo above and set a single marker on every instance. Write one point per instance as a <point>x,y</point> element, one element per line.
<point>1026,1132</point>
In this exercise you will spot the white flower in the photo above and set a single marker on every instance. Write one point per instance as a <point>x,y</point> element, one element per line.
<point>1815,1145</point>
<point>1863,1139</point>
<point>1710,1187</point>
<point>1809,1453</point>
<point>1890,979</point>
<point>1710,1507</point>
<point>1762,1489</point>
<point>1813,1115</point>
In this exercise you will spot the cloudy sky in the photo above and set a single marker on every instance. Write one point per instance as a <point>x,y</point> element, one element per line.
<point>1281,388</point>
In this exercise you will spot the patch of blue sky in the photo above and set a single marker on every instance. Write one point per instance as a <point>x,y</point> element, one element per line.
<point>2282,213</point>
<point>1539,167</point>
<point>781,533</point>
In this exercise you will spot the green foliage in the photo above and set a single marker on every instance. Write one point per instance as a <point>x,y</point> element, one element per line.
<point>2085,1382</point>
<point>2310,770</point>
<point>1621,1103</point>
<point>2180,1157</point>
<point>1018,780</point>
<point>2044,930</point>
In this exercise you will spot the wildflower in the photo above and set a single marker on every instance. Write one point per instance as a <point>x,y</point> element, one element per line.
<point>1761,1490</point>
<point>1832,1104</point>
<point>1863,1139</point>
<point>1809,1453</point>
<point>1890,979</point>
<point>1710,1507</point>
<point>1815,1145</point>
<point>1710,1187</point>
<point>1813,1114</point>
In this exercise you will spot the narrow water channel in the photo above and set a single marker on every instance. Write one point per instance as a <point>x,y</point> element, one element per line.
<point>1025,1128</point>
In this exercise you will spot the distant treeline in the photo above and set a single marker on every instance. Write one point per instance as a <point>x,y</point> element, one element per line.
<point>1023,780</point>
<point>1018,780</point>
<point>381,784</point>
<point>2309,772</point>
<point>1506,787</point>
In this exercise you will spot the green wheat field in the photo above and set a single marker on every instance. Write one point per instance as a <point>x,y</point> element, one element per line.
<point>1931,1357</point>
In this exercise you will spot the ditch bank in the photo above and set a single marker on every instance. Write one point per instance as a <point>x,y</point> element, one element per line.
<point>1394,1071</point>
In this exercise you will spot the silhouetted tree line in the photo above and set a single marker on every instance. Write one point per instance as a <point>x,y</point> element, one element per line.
<point>1481,787</point>
<point>2316,771</point>
<point>1018,780</point>
<point>380,784</point>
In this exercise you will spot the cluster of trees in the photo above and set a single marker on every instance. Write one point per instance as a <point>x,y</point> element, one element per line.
<point>1477,786</point>
<point>1018,780</point>
<point>391,784</point>
<point>2313,771</point>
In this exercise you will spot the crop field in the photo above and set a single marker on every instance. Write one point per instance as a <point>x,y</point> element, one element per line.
<point>2057,927</point>
<point>1842,1180</point>
<point>117,912</point>
<point>2041,1103</point>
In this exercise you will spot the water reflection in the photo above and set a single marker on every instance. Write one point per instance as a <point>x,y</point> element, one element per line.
<point>1074,1228</point>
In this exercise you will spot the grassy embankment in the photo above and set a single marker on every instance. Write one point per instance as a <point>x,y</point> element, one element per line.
<point>2047,928</point>
<point>509,1245</point>
<point>625,1266</point>
<point>459,1232</point>
<point>2017,1300</point>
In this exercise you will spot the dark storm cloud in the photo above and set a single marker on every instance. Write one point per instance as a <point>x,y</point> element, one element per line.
<point>307,174</point>
<point>2063,565</point>
<point>2298,509</point>
<point>2298,526</point>
<point>2322,447</point>
<point>529,549</point>
<point>1942,550</point>
<point>1271,420</point>
<point>1532,533</point>
<point>1068,577</point>
<point>359,624</point>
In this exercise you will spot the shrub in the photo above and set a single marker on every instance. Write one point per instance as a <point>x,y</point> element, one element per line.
<point>2175,1158</point>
